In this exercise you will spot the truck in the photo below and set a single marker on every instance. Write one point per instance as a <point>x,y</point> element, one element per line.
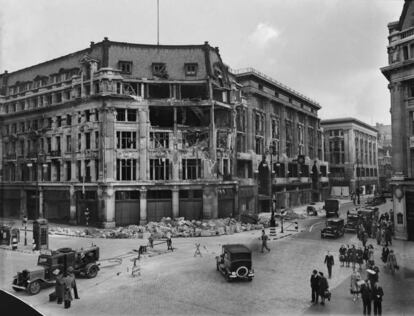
<point>331,207</point>
<point>83,261</point>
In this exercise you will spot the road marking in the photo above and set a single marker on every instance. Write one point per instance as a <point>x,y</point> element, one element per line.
<point>310,229</point>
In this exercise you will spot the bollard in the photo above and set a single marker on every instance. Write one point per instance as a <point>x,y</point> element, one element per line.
<point>14,243</point>
<point>273,231</point>
<point>296,226</point>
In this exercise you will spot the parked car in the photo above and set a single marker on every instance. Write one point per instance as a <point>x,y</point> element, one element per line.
<point>378,200</point>
<point>334,228</point>
<point>311,210</point>
<point>235,262</point>
<point>331,207</point>
<point>352,220</point>
<point>84,262</point>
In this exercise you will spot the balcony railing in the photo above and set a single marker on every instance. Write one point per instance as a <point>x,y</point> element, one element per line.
<point>407,33</point>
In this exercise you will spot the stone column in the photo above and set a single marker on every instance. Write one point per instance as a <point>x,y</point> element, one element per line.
<point>398,128</point>
<point>400,229</point>
<point>175,202</point>
<point>142,134</point>
<point>41,214</point>
<point>143,206</point>
<point>92,170</point>
<point>23,203</point>
<point>210,202</point>
<point>109,207</point>
<point>72,205</point>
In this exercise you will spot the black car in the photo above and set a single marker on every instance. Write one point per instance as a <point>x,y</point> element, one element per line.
<point>352,221</point>
<point>311,210</point>
<point>334,228</point>
<point>235,262</point>
<point>378,200</point>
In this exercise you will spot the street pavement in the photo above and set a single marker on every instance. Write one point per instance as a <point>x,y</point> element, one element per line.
<point>177,283</point>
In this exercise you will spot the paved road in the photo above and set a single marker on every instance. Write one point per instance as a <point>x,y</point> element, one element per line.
<point>179,284</point>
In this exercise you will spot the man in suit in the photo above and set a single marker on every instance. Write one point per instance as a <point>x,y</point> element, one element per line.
<point>329,261</point>
<point>366,294</point>
<point>377,294</point>
<point>314,282</point>
<point>323,287</point>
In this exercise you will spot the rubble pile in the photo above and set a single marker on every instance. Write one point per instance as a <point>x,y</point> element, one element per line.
<point>178,227</point>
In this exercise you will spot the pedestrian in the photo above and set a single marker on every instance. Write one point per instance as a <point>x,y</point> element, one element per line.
<point>365,255</point>
<point>342,255</point>
<point>323,287</point>
<point>364,238</point>
<point>360,257</point>
<point>378,234</point>
<point>348,255</point>
<point>388,234</point>
<point>59,285</point>
<point>374,229</point>
<point>371,261</point>
<point>385,253</point>
<point>314,282</point>
<point>264,239</point>
<point>392,262</point>
<point>329,261</point>
<point>151,241</point>
<point>355,288</point>
<point>377,294</point>
<point>169,242</point>
<point>69,285</point>
<point>366,295</point>
<point>353,256</point>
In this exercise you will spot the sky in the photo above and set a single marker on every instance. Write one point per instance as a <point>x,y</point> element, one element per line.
<point>328,50</point>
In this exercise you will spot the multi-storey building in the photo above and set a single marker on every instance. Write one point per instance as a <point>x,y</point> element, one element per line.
<point>400,74</point>
<point>129,133</point>
<point>283,125</point>
<point>384,156</point>
<point>352,152</point>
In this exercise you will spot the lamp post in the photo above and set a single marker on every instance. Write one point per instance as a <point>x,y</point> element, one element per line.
<point>358,171</point>
<point>25,229</point>
<point>30,165</point>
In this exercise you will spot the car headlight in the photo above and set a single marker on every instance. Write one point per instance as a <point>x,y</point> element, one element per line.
<point>233,273</point>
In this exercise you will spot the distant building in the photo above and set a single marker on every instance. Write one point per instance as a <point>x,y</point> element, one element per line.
<point>400,74</point>
<point>384,156</point>
<point>130,133</point>
<point>351,150</point>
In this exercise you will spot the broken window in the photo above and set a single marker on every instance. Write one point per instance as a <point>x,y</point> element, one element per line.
<point>131,115</point>
<point>159,169</point>
<point>191,168</point>
<point>195,138</point>
<point>222,139</point>
<point>158,91</point>
<point>193,91</point>
<point>87,140</point>
<point>126,140</point>
<point>125,66</point>
<point>159,70</point>
<point>120,114</point>
<point>126,169</point>
<point>191,69</point>
<point>159,140</point>
<point>193,116</point>
<point>223,118</point>
<point>161,116</point>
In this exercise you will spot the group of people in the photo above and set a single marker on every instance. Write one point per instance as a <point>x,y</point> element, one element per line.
<point>65,284</point>
<point>351,256</point>
<point>320,287</point>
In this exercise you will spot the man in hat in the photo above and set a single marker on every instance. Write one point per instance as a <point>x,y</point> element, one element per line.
<point>59,285</point>
<point>329,261</point>
<point>366,294</point>
<point>323,287</point>
<point>377,294</point>
<point>314,282</point>
<point>69,284</point>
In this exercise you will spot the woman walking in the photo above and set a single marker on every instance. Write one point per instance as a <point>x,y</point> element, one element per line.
<point>392,262</point>
<point>355,288</point>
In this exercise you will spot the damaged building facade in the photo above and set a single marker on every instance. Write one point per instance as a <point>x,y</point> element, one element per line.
<point>122,133</point>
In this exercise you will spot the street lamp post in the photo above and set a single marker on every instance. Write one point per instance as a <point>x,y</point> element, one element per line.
<point>357,190</point>
<point>25,229</point>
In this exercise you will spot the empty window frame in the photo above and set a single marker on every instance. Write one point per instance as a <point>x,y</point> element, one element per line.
<point>159,139</point>
<point>159,169</point>
<point>87,140</point>
<point>159,70</point>
<point>129,115</point>
<point>125,66</point>
<point>68,143</point>
<point>126,140</point>
<point>126,169</point>
<point>191,169</point>
<point>191,69</point>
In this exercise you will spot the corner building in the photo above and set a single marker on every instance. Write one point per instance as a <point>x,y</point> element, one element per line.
<point>128,132</point>
<point>400,74</point>
<point>351,148</point>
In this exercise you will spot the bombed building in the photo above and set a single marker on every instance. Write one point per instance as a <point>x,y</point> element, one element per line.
<point>129,133</point>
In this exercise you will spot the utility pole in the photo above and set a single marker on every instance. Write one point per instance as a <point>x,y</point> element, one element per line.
<point>158,22</point>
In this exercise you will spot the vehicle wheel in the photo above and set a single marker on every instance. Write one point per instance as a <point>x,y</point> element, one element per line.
<point>92,271</point>
<point>242,271</point>
<point>33,288</point>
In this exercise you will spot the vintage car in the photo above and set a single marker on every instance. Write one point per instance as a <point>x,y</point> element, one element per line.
<point>235,262</point>
<point>83,261</point>
<point>368,213</point>
<point>331,207</point>
<point>352,221</point>
<point>377,200</point>
<point>334,228</point>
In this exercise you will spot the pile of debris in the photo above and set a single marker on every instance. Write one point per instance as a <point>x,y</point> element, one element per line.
<point>178,227</point>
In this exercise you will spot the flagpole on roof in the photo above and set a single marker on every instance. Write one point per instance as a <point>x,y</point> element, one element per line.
<point>158,22</point>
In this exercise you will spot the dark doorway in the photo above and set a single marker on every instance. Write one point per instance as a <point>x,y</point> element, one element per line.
<point>409,196</point>
<point>31,205</point>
